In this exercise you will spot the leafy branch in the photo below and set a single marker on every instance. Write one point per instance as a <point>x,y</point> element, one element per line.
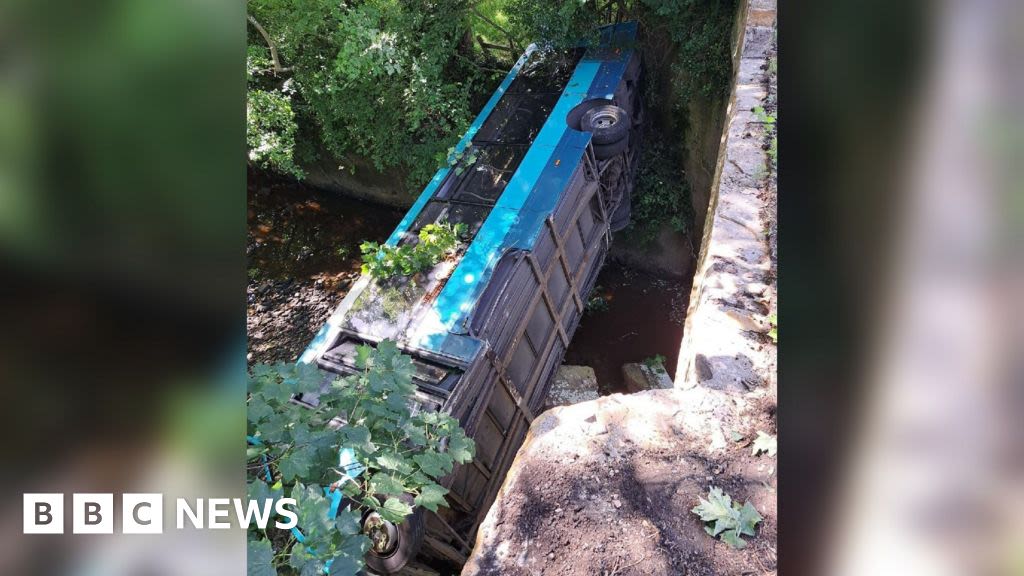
<point>434,243</point>
<point>278,69</point>
<point>387,458</point>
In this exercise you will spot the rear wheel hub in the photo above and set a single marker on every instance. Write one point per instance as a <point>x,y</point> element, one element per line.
<point>383,534</point>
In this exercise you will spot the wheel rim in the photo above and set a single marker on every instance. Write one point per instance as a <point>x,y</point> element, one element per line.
<point>605,120</point>
<point>384,538</point>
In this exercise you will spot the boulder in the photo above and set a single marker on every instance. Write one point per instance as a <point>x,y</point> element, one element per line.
<point>640,377</point>
<point>571,385</point>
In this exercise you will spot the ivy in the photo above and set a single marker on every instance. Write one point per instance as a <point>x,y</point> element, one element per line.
<point>662,193</point>
<point>434,243</point>
<point>400,452</point>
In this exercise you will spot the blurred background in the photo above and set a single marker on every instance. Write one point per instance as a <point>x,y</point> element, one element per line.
<point>122,226</point>
<point>122,270</point>
<point>900,242</point>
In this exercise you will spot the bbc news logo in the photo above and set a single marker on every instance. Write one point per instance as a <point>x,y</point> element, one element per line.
<point>143,513</point>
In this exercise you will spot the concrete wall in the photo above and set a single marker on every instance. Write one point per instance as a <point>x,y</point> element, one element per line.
<point>359,178</point>
<point>705,121</point>
<point>724,344</point>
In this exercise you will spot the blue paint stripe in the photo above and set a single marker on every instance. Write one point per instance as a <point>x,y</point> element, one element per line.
<point>549,190</point>
<point>461,291</point>
<point>609,76</point>
<point>516,222</point>
<point>441,174</point>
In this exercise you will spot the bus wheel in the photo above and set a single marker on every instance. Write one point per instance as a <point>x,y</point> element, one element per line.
<point>607,123</point>
<point>392,546</point>
<point>606,151</point>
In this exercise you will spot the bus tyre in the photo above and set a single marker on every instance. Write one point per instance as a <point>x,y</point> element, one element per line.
<point>606,151</point>
<point>402,542</point>
<point>608,124</point>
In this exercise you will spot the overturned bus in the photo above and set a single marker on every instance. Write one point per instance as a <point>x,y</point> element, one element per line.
<point>540,181</point>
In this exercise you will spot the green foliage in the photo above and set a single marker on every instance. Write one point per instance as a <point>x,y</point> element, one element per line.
<point>402,453</point>
<point>397,82</point>
<point>662,194</point>
<point>259,558</point>
<point>763,116</point>
<point>769,121</point>
<point>270,131</point>
<point>729,521</point>
<point>656,362</point>
<point>388,80</point>
<point>596,303</point>
<point>773,319</point>
<point>560,23</point>
<point>435,243</point>
<point>462,159</point>
<point>701,31</point>
<point>765,443</point>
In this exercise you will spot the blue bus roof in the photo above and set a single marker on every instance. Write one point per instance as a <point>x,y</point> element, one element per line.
<point>516,218</point>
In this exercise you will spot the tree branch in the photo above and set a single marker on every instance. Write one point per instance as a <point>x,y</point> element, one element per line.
<point>511,39</point>
<point>273,49</point>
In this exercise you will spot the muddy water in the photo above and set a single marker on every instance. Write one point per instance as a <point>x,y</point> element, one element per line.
<point>642,318</point>
<point>299,232</point>
<point>303,252</point>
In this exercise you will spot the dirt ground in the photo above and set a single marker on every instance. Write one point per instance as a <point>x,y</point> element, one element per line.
<point>607,487</point>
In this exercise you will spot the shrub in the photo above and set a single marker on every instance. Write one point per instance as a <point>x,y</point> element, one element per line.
<point>435,243</point>
<point>400,453</point>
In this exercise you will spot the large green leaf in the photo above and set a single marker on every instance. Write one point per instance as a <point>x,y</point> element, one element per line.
<point>385,483</point>
<point>345,566</point>
<point>358,437</point>
<point>718,505</point>
<point>313,509</point>
<point>273,429</point>
<point>258,410</point>
<point>434,464</point>
<point>461,448</point>
<point>259,558</point>
<point>393,461</point>
<point>748,518</point>
<point>729,520</point>
<point>347,522</point>
<point>394,510</point>
<point>296,464</point>
<point>260,491</point>
<point>307,378</point>
<point>732,538</point>
<point>431,496</point>
<point>363,355</point>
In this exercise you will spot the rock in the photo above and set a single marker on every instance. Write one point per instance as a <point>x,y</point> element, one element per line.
<point>756,289</point>
<point>704,371</point>
<point>571,385</point>
<point>640,377</point>
<point>746,321</point>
